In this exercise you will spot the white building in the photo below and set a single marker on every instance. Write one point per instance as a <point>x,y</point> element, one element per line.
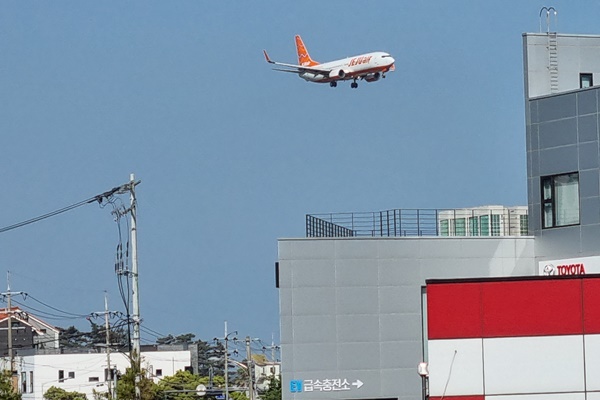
<point>483,221</point>
<point>88,373</point>
<point>264,372</point>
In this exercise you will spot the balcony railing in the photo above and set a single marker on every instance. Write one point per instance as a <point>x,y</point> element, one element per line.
<point>480,221</point>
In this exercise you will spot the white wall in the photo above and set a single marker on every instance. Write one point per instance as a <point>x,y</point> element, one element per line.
<point>87,367</point>
<point>576,54</point>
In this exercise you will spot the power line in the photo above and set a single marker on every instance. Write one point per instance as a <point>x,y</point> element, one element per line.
<point>99,198</point>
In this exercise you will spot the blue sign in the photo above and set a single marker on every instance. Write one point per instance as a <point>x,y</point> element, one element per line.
<point>296,386</point>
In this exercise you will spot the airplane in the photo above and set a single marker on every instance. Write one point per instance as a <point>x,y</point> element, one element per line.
<point>370,67</point>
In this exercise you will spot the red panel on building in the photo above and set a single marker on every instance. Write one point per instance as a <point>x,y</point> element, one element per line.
<point>454,310</point>
<point>591,308</point>
<point>532,308</point>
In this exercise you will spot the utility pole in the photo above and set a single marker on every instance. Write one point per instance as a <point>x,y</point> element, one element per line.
<point>226,359</point>
<point>108,380</point>
<point>273,348</point>
<point>108,365</point>
<point>226,364</point>
<point>250,369</point>
<point>135,356</point>
<point>9,314</point>
<point>135,320</point>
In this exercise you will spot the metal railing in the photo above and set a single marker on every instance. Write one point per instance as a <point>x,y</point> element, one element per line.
<point>480,221</point>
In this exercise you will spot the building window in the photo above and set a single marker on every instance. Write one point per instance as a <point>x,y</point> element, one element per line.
<point>485,225</point>
<point>61,375</point>
<point>459,227</point>
<point>586,80</point>
<point>72,375</point>
<point>524,223</point>
<point>93,379</point>
<point>496,225</point>
<point>474,226</point>
<point>112,374</point>
<point>159,372</point>
<point>560,200</point>
<point>23,382</point>
<point>444,228</point>
<point>31,381</point>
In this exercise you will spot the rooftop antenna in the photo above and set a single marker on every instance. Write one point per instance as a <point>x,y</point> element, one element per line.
<point>548,11</point>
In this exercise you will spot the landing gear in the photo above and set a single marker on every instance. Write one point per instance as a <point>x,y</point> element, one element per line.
<point>354,85</point>
<point>333,83</point>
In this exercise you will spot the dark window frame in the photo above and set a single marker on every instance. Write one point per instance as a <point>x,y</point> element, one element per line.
<point>586,75</point>
<point>551,201</point>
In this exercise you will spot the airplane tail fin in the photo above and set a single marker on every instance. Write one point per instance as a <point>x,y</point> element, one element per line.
<point>303,56</point>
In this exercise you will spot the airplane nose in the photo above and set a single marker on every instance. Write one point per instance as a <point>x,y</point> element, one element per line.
<point>391,59</point>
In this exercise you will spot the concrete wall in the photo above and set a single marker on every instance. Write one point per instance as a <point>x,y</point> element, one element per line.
<point>351,308</point>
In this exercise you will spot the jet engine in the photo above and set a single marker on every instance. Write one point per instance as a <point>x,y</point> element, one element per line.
<point>337,73</point>
<point>373,77</point>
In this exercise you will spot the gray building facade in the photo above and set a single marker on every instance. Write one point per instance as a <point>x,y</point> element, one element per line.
<point>351,307</point>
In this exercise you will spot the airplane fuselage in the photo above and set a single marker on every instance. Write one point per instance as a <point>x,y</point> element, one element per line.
<point>351,67</point>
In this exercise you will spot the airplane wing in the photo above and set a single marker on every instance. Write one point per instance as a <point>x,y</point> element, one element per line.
<point>297,69</point>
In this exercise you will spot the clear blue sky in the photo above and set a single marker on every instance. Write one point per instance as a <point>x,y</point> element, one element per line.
<point>231,154</point>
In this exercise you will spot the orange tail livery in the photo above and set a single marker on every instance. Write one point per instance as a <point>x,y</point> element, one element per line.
<point>303,56</point>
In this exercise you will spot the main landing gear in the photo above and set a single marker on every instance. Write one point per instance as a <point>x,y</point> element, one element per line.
<point>333,83</point>
<point>354,85</point>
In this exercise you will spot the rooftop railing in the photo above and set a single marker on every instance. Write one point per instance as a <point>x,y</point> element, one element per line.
<point>480,221</point>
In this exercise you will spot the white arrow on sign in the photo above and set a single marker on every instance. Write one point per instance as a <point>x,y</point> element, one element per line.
<point>358,383</point>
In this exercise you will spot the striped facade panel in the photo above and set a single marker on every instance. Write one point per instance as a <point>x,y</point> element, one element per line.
<point>506,309</point>
<point>533,364</point>
<point>545,396</point>
<point>530,339</point>
<point>592,362</point>
<point>532,308</point>
<point>591,299</point>
<point>451,316</point>
<point>455,367</point>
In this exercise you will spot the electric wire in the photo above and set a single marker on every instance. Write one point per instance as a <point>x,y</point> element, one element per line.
<point>97,198</point>
<point>57,309</point>
<point>44,314</point>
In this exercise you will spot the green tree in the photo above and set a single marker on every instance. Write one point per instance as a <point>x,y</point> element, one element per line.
<point>7,392</point>
<point>55,393</point>
<point>72,337</point>
<point>180,339</point>
<point>97,334</point>
<point>238,396</point>
<point>217,381</point>
<point>126,386</point>
<point>182,380</point>
<point>273,392</point>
